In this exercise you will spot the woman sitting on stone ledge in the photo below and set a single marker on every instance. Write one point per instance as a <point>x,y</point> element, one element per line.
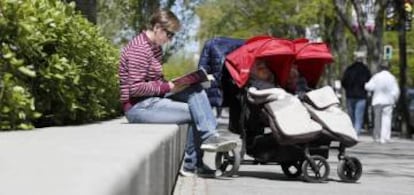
<point>143,89</point>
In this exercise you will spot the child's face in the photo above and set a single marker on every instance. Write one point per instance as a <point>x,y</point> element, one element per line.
<point>293,77</point>
<point>263,72</point>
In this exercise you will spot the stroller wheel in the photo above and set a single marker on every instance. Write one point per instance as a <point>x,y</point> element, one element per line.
<point>349,169</point>
<point>228,162</point>
<point>292,169</point>
<point>315,169</point>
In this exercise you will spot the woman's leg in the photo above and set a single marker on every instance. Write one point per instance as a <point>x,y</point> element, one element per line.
<point>193,156</point>
<point>196,110</point>
<point>377,122</point>
<point>164,110</point>
<point>204,126</point>
<point>200,110</point>
<point>386,123</point>
<point>159,110</point>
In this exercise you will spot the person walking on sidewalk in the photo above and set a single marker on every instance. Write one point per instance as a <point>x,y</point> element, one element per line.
<point>143,93</point>
<point>385,91</point>
<point>353,80</point>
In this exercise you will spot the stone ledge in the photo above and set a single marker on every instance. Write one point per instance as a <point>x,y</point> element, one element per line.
<point>111,157</point>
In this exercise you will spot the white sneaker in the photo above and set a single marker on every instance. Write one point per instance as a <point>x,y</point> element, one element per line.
<point>216,143</point>
<point>187,173</point>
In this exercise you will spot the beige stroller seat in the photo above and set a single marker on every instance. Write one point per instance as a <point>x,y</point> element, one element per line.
<point>323,105</point>
<point>288,119</point>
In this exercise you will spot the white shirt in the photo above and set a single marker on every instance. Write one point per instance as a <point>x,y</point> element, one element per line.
<point>384,87</point>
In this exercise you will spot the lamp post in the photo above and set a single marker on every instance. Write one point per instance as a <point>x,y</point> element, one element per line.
<point>402,103</point>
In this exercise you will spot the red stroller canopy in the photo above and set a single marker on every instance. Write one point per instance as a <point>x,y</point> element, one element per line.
<point>311,59</point>
<point>279,53</point>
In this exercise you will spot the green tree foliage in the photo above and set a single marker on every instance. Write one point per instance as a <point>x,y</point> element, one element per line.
<point>285,19</point>
<point>120,20</point>
<point>288,19</point>
<point>55,67</point>
<point>236,18</point>
<point>250,17</point>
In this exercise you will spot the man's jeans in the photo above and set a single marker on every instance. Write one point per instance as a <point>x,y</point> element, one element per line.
<point>189,106</point>
<point>356,110</point>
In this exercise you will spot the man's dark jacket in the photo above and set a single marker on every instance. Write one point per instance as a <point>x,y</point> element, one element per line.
<point>354,79</point>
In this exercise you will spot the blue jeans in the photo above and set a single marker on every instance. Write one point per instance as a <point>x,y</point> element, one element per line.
<point>356,110</point>
<point>189,106</point>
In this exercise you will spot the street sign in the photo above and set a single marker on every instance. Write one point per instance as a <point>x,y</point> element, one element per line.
<point>387,52</point>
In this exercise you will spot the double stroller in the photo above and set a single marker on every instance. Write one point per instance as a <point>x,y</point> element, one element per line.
<point>292,124</point>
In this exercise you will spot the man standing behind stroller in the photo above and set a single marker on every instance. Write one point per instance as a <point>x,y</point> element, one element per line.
<point>353,80</point>
<point>385,94</point>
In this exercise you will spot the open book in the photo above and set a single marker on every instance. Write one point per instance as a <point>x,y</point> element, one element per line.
<point>194,77</point>
<point>197,76</point>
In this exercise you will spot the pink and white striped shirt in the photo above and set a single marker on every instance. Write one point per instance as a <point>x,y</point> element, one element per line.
<point>140,71</point>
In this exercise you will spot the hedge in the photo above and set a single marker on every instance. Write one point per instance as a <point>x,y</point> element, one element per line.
<point>55,67</point>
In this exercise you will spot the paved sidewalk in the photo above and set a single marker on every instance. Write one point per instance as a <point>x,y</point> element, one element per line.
<point>387,169</point>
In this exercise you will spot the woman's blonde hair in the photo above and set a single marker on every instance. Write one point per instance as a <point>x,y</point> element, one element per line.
<point>166,19</point>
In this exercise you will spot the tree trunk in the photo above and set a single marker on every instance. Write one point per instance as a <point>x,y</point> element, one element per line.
<point>369,42</point>
<point>340,46</point>
<point>87,8</point>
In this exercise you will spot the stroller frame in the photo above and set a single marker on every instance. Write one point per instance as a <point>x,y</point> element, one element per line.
<point>303,159</point>
<point>308,159</point>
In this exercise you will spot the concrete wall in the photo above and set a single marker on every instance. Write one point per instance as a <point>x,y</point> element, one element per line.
<point>113,158</point>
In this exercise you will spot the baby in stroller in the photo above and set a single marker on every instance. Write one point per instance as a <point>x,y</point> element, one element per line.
<point>300,137</point>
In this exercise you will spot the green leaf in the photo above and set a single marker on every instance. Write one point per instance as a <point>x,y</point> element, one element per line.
<point>47,21</point>
<point>37,115</point>
<point>25,126</point>
<point>33,19</point>
<point>22,115</point>
<point>5,109</point>
<point>76,80</point>
<point>59,76</point>
<point>16,62</point>
<point>18,89</point>
<point>27,71</point>
<point>59,67</point>
<point>8,55</point>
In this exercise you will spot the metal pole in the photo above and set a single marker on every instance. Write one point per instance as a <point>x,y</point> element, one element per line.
<point>402,103</point>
